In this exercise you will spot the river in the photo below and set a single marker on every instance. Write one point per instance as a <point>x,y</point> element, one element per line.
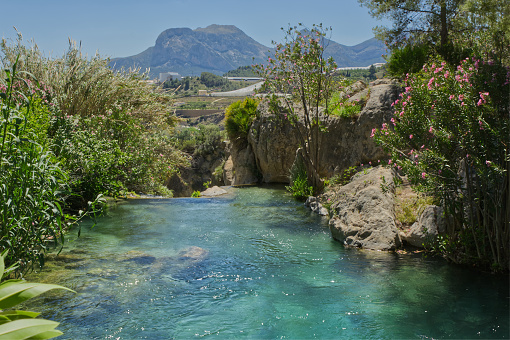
<point>256,264</point>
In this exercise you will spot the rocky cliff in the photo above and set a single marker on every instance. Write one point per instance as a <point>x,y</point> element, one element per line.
<point>272,143</point>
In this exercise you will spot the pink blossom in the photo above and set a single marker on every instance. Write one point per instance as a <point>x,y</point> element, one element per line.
<point>429,85</point>
<point>410,136</point>
<point>431,129</point>
<point>423,175</point>
<point>489,163</point>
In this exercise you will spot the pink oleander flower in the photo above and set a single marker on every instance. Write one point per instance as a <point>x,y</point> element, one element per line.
<point>410,136</point>
<point>429,85</point>
<point>423,175</point>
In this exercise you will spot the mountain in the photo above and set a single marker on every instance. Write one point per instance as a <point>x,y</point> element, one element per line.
<point>221,48</point>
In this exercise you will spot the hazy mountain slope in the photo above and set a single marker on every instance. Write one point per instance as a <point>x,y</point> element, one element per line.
<point>220,48</point>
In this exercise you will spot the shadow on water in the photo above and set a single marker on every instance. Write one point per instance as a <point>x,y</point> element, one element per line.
<point>255,264</point>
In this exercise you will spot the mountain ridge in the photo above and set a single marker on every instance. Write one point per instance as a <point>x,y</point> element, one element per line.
<point>221,48</point>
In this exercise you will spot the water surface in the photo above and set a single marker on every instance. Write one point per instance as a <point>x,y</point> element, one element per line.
<point>258,265</point>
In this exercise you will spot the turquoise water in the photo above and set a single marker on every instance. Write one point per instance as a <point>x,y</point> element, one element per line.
<point>258,265</point>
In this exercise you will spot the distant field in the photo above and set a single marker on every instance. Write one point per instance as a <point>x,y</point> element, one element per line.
<point>205,103</point>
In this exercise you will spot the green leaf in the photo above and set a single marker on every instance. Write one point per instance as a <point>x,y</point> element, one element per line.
<point>18,314</point>
<point>13,292</point>
<point>29,328</point>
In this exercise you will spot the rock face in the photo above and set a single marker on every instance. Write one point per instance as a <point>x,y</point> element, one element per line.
<point>240,167</point>
<point>429,225</point>
<point>346,143</point>
<point>364,211</point>
<point>274,146</point>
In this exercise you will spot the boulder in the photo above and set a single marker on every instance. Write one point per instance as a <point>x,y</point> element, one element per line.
<point>314,204</point>
<point>430,224</point>
<point>213,192</point>
<point>363,211</point>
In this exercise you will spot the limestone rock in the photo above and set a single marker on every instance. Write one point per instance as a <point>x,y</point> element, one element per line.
<point>213,191</point>
<point>364,211</point>
<point>244,169</point>
<point>274,144</point>
<point>314,204</point>
<point>430,224</point>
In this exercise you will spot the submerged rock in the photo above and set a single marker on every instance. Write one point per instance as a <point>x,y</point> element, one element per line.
<point>363,211</point>
<point>193,254</point>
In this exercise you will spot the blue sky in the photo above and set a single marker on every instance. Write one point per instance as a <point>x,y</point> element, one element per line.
<point>117,28</point>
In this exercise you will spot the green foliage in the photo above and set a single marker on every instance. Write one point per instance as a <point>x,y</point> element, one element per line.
<point>408,210</point>
<point>195,194</point>
<point>408,59</point>
<point>212,80</point>
<point>241,71</point>
<point>202,140</point>
<point>239,116</point>
<point>72,130</point>
<point>15,324</point>
<point>299,187</point>
<point>110,130</point>
<point>450,136</point>
<point>33,188</point>
<point>189,86</point>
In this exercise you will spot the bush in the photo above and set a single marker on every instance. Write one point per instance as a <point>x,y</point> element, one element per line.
<point>299,187</point>
<point>239,116</point>
<point>110,129</point>
<point>203,140</point>
<point>450,135</point>
<point>409,59</point>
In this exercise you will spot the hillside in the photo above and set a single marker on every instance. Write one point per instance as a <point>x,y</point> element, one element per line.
<point>221,48</point>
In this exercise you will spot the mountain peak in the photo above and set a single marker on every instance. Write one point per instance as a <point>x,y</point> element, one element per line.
<point>219,29</point>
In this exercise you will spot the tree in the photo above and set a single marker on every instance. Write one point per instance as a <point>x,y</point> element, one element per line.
<point>423,20</point>
<point>298,74</point>
<point>371,72</point>
<point>486,27</point>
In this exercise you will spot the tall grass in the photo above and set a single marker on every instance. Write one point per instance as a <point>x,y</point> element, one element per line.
<point>73,130</point>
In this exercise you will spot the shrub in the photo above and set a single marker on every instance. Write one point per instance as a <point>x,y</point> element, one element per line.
<point>299,187</point>
<point>239,116</point>
<point>450,135</point>
<point>409,59</point>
